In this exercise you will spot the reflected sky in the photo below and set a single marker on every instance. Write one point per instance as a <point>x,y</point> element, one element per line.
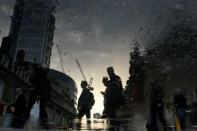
<point>100,33</point>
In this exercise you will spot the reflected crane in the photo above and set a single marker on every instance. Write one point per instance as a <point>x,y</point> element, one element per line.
<point>81,70</point>
<point>84,77</point>
<point>60,58</point>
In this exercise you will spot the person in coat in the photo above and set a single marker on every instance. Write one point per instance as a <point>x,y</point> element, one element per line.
<point>19,105</point>
<point>180,103</point>
<point>113,94</point>
<point>86,101</point>
<point>156,107</point>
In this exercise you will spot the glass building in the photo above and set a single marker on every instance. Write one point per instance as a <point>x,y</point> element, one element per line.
<point>32,30</point>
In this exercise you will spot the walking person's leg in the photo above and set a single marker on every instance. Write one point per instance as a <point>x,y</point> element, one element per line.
<point>81,113</point>
<point>43,113</point>
<point>112,112</point>
<point>32,101</point>
<point>181,116</point>
<point>153,118</point>
<point>162,119</point>
<point>88,114</point>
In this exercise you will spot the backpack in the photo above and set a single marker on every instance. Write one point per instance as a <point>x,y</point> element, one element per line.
<point>92,101</point>
<point>86,100</point>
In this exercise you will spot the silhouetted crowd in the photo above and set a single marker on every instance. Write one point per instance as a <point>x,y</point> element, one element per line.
<point>113,97</point>
<point>40,91</point>
<point>157,109</point>
<point>113,100</point>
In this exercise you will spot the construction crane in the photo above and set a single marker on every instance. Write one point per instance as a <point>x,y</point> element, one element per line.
<point>90,84</point>
<point>60,58</point>
<point>81,70</point>
<point>84,77</point>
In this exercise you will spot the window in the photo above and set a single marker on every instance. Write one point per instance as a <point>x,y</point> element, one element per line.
<point>32,33</point>
<point>30,44</point>
<point>34,17</point>
<point>33,55</point>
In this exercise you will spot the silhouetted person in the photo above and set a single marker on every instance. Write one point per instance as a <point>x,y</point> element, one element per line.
<point>86,101</point>
<point>180,104</point>
<point>113,93</point>
<point>106,84</point>
<point>156,107</point>
<point>41,92</point>
<point>19,105</point>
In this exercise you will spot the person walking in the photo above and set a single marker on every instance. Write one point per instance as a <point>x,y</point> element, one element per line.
<point>85,102</point>
<point>113,94</point>
<point>180,103</point>
<point>156,107</point>
<point>40,92</point>
<point>19,105</point>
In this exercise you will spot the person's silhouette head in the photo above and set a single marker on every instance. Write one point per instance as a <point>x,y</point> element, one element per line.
<point>18,91</point>
<point>84,84</point>
<point>110,71</point>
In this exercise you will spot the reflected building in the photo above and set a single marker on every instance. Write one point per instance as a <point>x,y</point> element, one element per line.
<point>32,29</point>
<point>62,105</point>
<point>30,43</point>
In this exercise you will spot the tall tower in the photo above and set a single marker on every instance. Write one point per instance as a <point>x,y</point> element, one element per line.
<point>32,29</point>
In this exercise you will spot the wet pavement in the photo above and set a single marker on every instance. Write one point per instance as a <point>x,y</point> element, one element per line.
<point>93,124</point>
<point>136,123</point>
<point>119,124</point>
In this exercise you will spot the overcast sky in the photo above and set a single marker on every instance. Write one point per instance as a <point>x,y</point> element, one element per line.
<point>99,34</point>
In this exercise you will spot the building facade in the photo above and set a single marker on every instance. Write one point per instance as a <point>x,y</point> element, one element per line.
<point>32,29</point>
<point>62,106</point>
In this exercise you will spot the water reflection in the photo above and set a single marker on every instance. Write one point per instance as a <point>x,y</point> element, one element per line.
<point>101,124</point>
